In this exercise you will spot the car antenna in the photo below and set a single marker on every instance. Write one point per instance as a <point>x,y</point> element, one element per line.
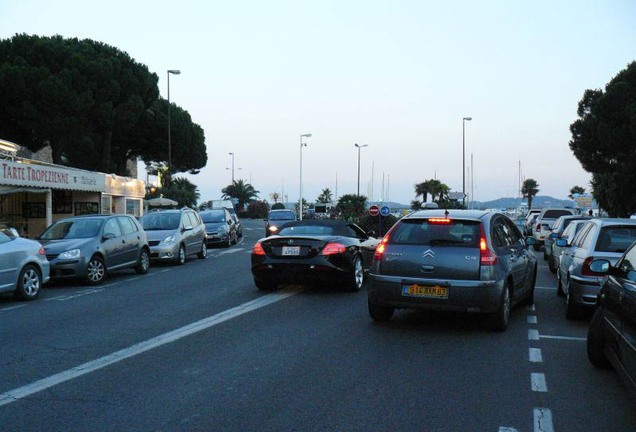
<point>445,210</point>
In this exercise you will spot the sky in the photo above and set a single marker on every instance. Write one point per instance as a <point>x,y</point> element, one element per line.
<point>395,75</point>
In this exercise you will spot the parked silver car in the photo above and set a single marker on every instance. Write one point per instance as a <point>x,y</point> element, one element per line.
<point>91,246</point>
<point>219,227</point>
<point>23,265</point>
<point>175,234</point>
<point>569,233</point>
<point>558,227</point>
<point>598,239</point>
<point>463,260</point>
<point>543,224</point>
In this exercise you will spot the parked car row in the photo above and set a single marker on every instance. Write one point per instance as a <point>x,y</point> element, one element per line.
<point>89,247</point>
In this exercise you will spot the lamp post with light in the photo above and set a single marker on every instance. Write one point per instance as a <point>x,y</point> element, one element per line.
<point>232,154</point>
<point>359,147</point>
<point>300,200</point>
<point>464,120</point>
<point>170,72</point>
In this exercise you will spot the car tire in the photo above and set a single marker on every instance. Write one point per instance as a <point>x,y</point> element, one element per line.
<point>551,264</point>
<point>596,342</point>
<point>235,241</point>
<point>501,318</point>
<point>29,283</point>
<point>228,242</point>
<point>572,310</point>
<point>181,258</point>
<point>380,313</point>
<point>545,255</point>
<point>203,253</point>
<point>559,289</point>
<point>356,277</point>
<point>264,285</point>
<point>529,299</point>
<point>143,263</point>
<point>96,270</point>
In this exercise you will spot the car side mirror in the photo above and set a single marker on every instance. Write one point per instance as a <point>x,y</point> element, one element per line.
<point>562,242</point>
<point>370,233</point>
<point>554,235</point>
<point>108,236</point>
<point>600,266</point>
<point>186,228</point>
<point>530,241</point>
<point>229,222</point>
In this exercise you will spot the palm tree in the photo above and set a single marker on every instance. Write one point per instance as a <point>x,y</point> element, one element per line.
<point>324,197</point>
<point>529,190</point>
<point>181,190</point>
<point>242,191</point>
<point>423,189</point>
<point>576,190</point>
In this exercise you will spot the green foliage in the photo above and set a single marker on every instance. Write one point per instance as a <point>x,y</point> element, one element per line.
<point>576,190</point>
<point>92,103</point>
<point>180,190</point>
<point>244,192</point>
<point>433,187</point>
<point>529,189</point>
<point>416,205</point>
<point>324,197</point>
<point>604,141</point>
<point>258,210</point>
<point>368,222</point>
<point>351,206</point>
<point>278,206</point>
<point>306,206</point>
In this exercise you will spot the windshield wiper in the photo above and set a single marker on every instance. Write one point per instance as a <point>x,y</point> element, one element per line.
<point>444,241</point>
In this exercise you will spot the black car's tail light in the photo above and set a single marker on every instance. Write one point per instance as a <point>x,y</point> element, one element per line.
<point>258,249</point>
<point>333,248</point>
<point>486,256</point>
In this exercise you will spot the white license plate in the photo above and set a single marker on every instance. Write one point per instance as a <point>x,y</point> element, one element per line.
<point>291,250</point>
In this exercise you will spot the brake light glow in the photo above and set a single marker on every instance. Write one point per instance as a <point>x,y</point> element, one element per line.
<point>486,256</point>
<point>333,249</point>
<point>42,251</point>
<point>258,249</point>
<point>379,251</point>
<point>585,269</point>
<point>439,221</point>
<point>538,227</point>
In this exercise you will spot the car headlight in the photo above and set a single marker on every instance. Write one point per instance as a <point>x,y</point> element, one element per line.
<point>273,229</point>
<point>69,254</point>
<point>168,241</point>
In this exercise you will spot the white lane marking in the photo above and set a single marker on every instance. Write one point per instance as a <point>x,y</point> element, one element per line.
<point>248,251</point>
<point>165,270</point>
<point>546,288</point>
<point>533,334</point>
<point>83,293</point>
<point>563,338</point>
<point>248,229</point>
<point>507,429</point>
<point>531,319</point>
<point>240,241</point>
<point>180,333</point>
<point>230,251</point>
<point>111,284</point>
<point>543,420</point>
<point>537,382</point>
<point>133,278</point>
<point>531,307</point>
<point>13,307</point>
<point>54,298</point>
<point>534,355</point>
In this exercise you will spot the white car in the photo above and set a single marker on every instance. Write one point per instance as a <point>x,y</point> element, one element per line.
<point>542,226</point>
<point>23,265</point>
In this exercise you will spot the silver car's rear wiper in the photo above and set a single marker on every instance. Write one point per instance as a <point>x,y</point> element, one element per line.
<point>445,241</point>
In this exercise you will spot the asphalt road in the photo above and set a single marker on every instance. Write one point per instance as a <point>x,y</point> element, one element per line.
<point>199,348</point>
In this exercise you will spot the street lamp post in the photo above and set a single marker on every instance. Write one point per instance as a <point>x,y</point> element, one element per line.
<point>232,154</point>
<point>359,147</point>
<point>464,120</point>
<point>173,72</point>
<point>300,200</point>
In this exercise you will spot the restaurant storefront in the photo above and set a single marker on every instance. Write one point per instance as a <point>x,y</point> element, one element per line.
<point>35,194</point>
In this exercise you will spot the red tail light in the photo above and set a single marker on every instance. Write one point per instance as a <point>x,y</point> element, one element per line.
<point>379,251</point>
<point>538,227</point>
<point>333,248</point>
<point>42,251</point>
<point>439,221</point>
<point>258,249</point>
<point>486,256</point>
<point>585,269</point>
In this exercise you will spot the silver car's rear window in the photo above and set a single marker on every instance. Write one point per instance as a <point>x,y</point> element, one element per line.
<point>436,233</point>
<point>553,214</point>
<point>616,238</point>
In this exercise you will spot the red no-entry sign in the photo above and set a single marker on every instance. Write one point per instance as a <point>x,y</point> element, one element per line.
<point>374,210</point>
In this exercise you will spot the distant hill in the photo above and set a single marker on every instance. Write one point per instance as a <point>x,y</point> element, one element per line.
<point>539,201</point>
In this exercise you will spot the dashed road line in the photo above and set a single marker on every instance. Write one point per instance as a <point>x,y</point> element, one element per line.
<point>507,429</point>
<point>543,420</point>
<point>230,251</point>
<point>531,319</point>
<point>563,338</point>
<point>81,294</point>
<point>530,308</point>
<point>13,307</point>
<point>533,334</point>
<point>534,355</point>
<point>180,333</point>
<point>546,288</point>
<point>537,382</point>
<point>166,270</point>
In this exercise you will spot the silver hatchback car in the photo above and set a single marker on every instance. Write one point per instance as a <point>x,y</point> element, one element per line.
<point>175,234</point>
<point>462,260</point>
<point>23,265</point>
<point>598,239</point>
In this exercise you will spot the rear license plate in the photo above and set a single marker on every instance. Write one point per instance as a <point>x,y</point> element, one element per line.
<point>416,290</point>
<point>291,250</point>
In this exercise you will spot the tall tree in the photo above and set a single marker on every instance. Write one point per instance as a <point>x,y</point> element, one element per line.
<point>181,190</point>
<point>576,190</point>
<point>242,191</point>
<point>324,197</point>
<point>604,141</point>
<point>529,190</point>
<point>274,196</point>
<point>423,189</point>
<point>351,206</point>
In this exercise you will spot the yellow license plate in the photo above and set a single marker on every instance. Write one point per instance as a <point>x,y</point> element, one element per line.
<point>416,290</point>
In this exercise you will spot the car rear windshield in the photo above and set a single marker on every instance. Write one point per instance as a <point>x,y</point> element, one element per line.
<point>553,214</point>
<point>160,221</point>
<point>282,215</point>
<point>314,230</point>
<point>424,232</point>
<point>616,238</point>
<point>72,229</point>
<point>213,216</point>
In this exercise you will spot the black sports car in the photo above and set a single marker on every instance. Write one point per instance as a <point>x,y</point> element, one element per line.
<point>315,252</point>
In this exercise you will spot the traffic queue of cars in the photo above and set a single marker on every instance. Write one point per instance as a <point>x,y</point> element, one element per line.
<point>89,247</point>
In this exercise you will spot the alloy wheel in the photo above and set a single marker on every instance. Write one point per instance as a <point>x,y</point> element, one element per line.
<point>31,282</point>
<point>95,270</point>
<point>358,272</point>
<point>145,261</point>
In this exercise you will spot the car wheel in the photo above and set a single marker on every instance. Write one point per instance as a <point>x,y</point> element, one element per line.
<point>29,283</point>
<point>536,247</point>
<point>143,264</point>
<point>356,277</point>
<point>203,253</point>
<point>501,318</point>
<point>559,289</point>
<point>181,258</point>
<point>235,241</point>
<point>228,242</point>
<point>596,342</point>
<point>264,285</point>
<point>96,270</point>
<point>380,313</point>
<point>551,265</point>
<point>545,255</point>
<point>529,299</point>
<point>572,310</point>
